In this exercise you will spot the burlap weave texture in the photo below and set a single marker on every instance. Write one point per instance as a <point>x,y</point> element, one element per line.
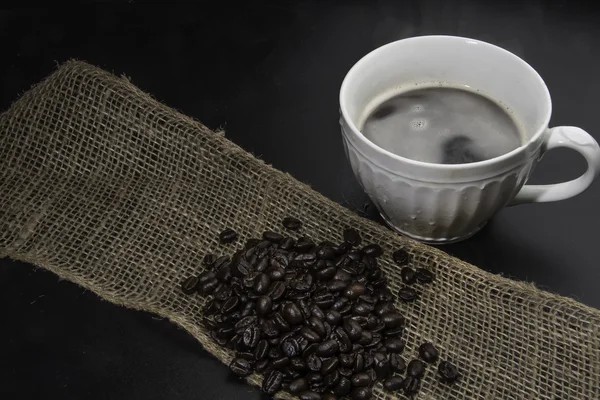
<point>118,193</point>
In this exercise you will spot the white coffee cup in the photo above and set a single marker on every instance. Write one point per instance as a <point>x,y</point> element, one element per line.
<point>442,203</point>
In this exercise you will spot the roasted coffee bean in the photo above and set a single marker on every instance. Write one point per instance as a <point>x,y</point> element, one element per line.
<point>393,332</point>
<point>353,329</point>
<point>325,253</point>
<point>317,325</point>
<point>415,368</point>
<point>304,309</point>
<point>264,305</point>
<point>289,374</point>
<point>272,382</point>
<point>240,367</point>
<point>361,379</point>
<point>292,314</point>
<point>428,352</point>
<point>310,349</point>
<point>410,385</point>
<point>290,347</point>
<point>314,379</point>
<point>328,348</point>
<point>361,393</point>
<point>332,379</point>
<point>245,322</point>
<point>401,257</point>
<point>251,337</point>
<point>393,383</point>
<point>208,287</point>
<point>272,236</point>
<point>209,260</point>
<point>407,294</point>
<point>424,275</point>
<point>287,243</point>
<point>397,363</point>
<point>346,372</point>
<point>227,236</point>
<point>309,395</point>
<point>298,364</point>
<point>317,312</point>
<point>381,365</point>
<point>372,250</point>
<point>224,273</point>
<point>365,338</point>
<point>261,350</point>
<point>298,385</point>
<point>219,340</point>
<point>392,320</point>
<point>342,248</point>
<point>324,300</point>
<point>343,276</point>
<point>313,362</point>
<point>340,303</point>
<point>343,387</point>
<point>333,317</point>
<point>250,243</point>
<point>448,371</point>
<point>261,366</point>
<point>262,265</point>
<point>326,273</point>
<point>245,355</point>
<point>352,237</point>
<point>276,290</point>
<point>269,329</point>
<point>223,293</point>
<point>329,365</point>
<point>304,245</point>
<point>190,285</point>
<point>347,360</point>
<point>394,345</point>
<point>261,284</point>
<point>359,362</point>
<point>275,352</point>
<point>291,223</point>
<point>310,335</point>
<point>354,291</point>
<point>280,363</point>
<point>408,275</point>
<point>230,305</point>
<point>362,309</point>
<point>276,274</point>
<point>220,262</point>
<point>336,285</point>
<point>343,340</point>
<point>211,307</point>
<point>329,396</point>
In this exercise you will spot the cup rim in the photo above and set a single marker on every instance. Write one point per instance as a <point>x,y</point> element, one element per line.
<point>447,167</point>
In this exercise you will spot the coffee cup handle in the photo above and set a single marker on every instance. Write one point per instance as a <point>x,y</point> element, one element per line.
<point>573,138</point>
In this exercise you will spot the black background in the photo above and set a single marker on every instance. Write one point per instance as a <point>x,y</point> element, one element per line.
<point>269,74</point>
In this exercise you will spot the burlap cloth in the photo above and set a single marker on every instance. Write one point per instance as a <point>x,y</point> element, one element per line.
<point>110,189</point>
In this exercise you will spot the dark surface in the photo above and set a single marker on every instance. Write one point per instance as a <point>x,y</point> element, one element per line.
<point>269,75</point>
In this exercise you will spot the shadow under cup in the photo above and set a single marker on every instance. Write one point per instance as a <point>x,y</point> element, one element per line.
<point>442,203</point>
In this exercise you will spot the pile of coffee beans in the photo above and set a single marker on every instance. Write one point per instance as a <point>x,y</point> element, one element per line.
<point>318,320</point>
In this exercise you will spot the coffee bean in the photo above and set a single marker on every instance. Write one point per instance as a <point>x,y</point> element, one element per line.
<point>401,257</point>
<point>332,379</point>
<point>298,385</point>
<point>298,364</point>
<point>329,366</point>
<point>407,294</point>
<point>269,329</point>
<point>381,365</point>
<point>324,300</point>
<point>393,383</point>
<point>190,285</point>
<point>304,245</point>
<point>310,335</point>
<point>211,307</point>
<point>291,223</point>
<point>326,273</point>
<point>372,250</point>
<point>276,274</point>
<point>280,363</point>
<point>428,352</point>
<point>359,362</point>
<point>208,287</point>
<point>333,317</point>
<point>361,393</point>
<point>292,314</point>
<point>354,291</point>
<point>272,236</point>
<point>329,396</point>
<point>408,275</point>
<point>393,332</point>
<point>336,285</point>
<point>240,367</point>
<point>289,374</point>
<point>365,338</point>
<point>245,322</point>
<point>275,352</point>
<point>352,236</point>
<point>313,362</point>
<point>290,347</point>
<point>314,379</point>
<point>261,284</point>
<point>343,387</point>
<point>410,385</point>
<point>394,345</point>
<point>415,368</point>
<point>261,366</point>
<point>424,275</point>
<point>328,348</point>
<point>227,236</point>
<point>309,395</point>
<point>251,337</point>
<point>397,363</point>
<point>347,360</point>
<point>353,329</point>
<point>230,305</point>
<point>384,308</point>
<point>326,253</point>
<point>361,379</point>
<point>448,371</point>
<point>287,243</point>
<point>343,340</point>
<point>362,309</point>
<point>223,293</point>
<point>272,382</point>
<point>392,320</point>
<point>346,372</point>
<point>310,349</point>
<point>209,260</point>
<point>276,290</point>
<point>264,305</point>
<point>261,350</point>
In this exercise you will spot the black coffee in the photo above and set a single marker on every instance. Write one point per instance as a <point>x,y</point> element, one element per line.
<point>443,125</point>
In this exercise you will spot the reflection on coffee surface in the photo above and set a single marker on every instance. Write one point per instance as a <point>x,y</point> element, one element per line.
<point>443,125</point>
